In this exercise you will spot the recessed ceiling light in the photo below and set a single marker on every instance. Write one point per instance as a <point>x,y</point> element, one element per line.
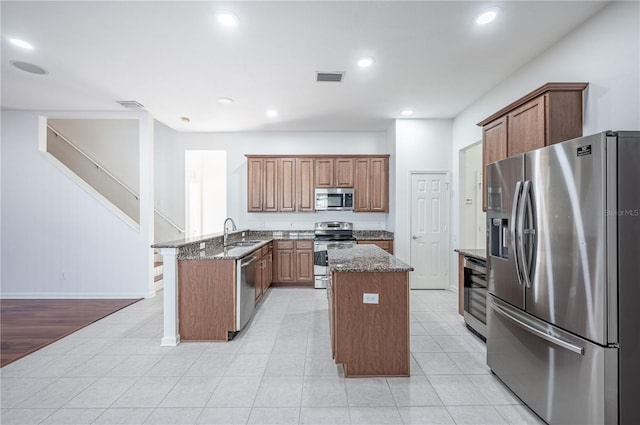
<point>225,100</point>
<point>272,113</point>
<point>406,112</point>
<point>365,62</point>
<point>28,67</point>
<point>185,119</point>
<point>21,43</point>
<point>487,16</point>
<point>227,19</point>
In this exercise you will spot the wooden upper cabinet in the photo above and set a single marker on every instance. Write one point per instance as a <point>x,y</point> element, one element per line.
<point>262,184</point>
<point>361,185</point>
<point>526,127</point>
<point>379,188</point>
<point>255,175</point>
<point>287,182</point>
<point>371,184</point>
<point>550,114</point>
<point>344,172</point>
<point>324,172</point>
<point>494,148</point>
<point>305,199</point>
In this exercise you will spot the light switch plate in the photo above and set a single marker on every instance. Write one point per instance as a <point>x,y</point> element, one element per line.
<point>369,298</point>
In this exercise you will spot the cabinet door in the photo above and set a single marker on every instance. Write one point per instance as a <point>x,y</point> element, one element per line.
<point>287,184</point>
<point>494,148</point>
<point>304,265</point>
<point>259,281</point>
<point>343,172</point>
<point>270,188</point>
<point>323,172</point>
<point>361,185</point>
<point>379,185</point>
<point>254,184</point>
<point>305,200</point>
<point>284,258</point>
<point>526,127</point>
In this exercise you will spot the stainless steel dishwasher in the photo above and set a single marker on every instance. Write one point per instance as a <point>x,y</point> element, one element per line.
<point>245,289</point>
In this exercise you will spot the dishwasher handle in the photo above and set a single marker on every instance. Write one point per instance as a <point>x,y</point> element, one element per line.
<point>247,260</point>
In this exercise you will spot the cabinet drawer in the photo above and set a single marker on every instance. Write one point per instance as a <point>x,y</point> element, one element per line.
<point>304,244</point>
<point>284,244</point>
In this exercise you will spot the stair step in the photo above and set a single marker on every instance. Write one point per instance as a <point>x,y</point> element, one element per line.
<point>157,278</point>
<point>157,264</point>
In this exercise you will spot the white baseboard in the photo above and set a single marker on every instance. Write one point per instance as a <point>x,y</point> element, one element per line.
<point>73,295</point>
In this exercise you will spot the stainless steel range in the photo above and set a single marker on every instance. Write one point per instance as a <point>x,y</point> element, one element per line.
<point>329,234</point>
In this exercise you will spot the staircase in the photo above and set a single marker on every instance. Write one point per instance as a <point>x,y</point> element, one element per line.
<point>111,191</point>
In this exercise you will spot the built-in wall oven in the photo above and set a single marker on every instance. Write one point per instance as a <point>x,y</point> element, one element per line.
<point>475,295</point>
<point>329,235</point>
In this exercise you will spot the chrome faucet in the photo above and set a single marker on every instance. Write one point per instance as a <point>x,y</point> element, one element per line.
<point>226,232</point>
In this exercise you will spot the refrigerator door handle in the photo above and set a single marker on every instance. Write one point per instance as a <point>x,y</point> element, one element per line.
<point>550,338</point>
<point>513,229</point>
<point>525,249</point>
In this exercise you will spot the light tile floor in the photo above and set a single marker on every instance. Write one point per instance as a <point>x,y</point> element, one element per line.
<point>278,371</point>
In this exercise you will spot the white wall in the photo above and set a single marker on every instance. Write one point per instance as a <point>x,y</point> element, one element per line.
<point>170,152</point>
<point>604,51</point>
<point>57,239</point>
<point>421,145</point>
<point>112,143</point>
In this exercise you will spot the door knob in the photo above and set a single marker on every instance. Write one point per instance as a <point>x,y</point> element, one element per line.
<point>416,237</point>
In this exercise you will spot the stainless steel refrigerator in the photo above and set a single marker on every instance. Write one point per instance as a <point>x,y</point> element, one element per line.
<point>564,278</point>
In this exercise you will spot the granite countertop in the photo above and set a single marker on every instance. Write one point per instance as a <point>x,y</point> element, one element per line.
<point>218,252</point>
<point>372,235</point>
<point>480,254</point>
<point>365,258</point>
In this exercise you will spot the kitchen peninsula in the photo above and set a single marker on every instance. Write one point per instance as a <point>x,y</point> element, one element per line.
<point>368,295</point>
<point>205,298</point>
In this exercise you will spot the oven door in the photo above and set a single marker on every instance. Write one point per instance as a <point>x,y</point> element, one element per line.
<point>320,264</point>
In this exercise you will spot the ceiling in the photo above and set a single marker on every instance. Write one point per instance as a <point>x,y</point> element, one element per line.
<point>175,59</point>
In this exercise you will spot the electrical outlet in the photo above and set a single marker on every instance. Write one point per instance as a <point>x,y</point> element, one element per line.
<point>369,298</point>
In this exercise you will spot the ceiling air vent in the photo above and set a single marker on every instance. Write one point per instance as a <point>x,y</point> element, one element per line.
<point>333,77</point>
<point>130,104</point>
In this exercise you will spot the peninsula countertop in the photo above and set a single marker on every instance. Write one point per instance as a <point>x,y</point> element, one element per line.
<point>480,254</point>
<point>365,258</point>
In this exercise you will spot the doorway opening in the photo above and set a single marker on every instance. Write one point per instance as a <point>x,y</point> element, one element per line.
<point>205,191</point>
<point>472,219</point>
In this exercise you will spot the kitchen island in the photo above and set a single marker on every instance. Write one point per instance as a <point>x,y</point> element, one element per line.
<point>368,295</point>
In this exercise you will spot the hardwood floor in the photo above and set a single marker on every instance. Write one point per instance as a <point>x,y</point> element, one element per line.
<point>28,324</point>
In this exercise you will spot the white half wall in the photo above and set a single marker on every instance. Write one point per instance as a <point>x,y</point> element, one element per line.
<point>604,51</point>
<point>58,241</point>
<point>170,153</point>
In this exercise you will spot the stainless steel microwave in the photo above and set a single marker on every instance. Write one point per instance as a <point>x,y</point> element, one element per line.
<point>334,199</point>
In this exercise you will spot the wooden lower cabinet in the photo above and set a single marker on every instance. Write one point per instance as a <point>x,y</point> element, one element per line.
<point>370,339</point>
<point>293,262</point>
<point>206,299</point>
<point>264,271</point>
<point>385,244</point>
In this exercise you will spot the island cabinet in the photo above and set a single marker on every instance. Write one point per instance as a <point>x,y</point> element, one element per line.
<point>206,299</point>
<point>293,262</point>
<point>371,184</point>
<point>368,295</point>
<point>550,114</point>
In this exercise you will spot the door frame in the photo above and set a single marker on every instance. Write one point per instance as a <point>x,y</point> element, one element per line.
<point>447,215</point>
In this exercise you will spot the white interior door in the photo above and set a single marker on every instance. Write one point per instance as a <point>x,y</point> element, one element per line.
<point>429,230</point>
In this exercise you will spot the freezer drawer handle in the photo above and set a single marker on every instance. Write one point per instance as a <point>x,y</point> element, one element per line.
<point>550,338</point>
